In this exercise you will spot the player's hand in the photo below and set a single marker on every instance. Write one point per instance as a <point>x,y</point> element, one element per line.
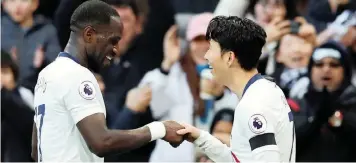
<point>190,132</point>
<point>276,29</point>
<point>39,57</point>
<point>138,99</point>
<point>211,87</point>
<point>171,133</point>
<point>171,48</point>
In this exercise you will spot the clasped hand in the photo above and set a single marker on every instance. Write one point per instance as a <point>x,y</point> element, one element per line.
<point>176,133</point>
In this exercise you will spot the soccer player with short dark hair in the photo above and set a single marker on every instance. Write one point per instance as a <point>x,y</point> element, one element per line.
<point>263,128</point>
<point>70,123</point>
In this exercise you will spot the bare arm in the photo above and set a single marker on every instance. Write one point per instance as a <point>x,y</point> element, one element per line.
<point>34,143</point>
<point>103,141</point>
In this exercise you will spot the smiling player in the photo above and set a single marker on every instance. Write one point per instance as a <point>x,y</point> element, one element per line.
<point>70,123</point>
<point>263,128</point>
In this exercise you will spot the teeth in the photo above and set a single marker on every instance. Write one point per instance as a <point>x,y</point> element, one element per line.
<point>109,58</point>
<point>210,66</point>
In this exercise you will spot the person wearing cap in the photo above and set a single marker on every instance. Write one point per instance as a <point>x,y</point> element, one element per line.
<point>324,108</point>
<point>176,86</point>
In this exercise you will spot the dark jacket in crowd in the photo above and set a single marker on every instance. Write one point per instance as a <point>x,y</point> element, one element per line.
<point>319,13</point>
<point>26,42</point>
<point>317,139</point>
<point>119,78</point>
<point>16,127</point>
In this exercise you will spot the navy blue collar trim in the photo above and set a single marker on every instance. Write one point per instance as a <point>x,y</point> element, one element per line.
<point>251,81</point>
<point>64,54</point>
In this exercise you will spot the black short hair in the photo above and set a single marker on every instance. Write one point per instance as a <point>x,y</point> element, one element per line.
<point>92,13</point>
<point>8,62</point>
<point>242,36</point>
<point>125,3</point>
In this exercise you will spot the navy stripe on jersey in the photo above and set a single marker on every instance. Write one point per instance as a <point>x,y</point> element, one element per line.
<point>67,55</point>
<point>290,116</point>
<point>262,140</point>
<point>251,81</point>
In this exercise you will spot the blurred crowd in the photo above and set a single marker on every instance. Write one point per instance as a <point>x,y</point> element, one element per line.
<point>161,73</point>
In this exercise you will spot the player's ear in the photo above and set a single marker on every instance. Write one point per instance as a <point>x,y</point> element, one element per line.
<point>230,58</point>
<point>89,34</point>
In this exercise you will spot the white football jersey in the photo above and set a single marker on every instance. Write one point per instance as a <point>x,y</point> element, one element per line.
<point>65,93</point>
<point>263,128</point>
<point>263,122</point>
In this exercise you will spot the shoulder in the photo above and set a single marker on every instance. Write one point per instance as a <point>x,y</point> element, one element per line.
<point>263,91</point>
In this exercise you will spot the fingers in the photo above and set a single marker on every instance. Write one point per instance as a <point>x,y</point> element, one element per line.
<point>172,32</point>
<point>183,131</point>
<point>284,31</point>
<point>283,24</point>
<point>275,21</point>
<point>300,20</point>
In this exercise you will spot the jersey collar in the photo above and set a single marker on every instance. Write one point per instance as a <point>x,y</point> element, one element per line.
<point>251,81</point>
<point>67,55</point>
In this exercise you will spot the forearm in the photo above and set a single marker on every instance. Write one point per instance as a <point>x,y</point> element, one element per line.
<point>213,148</point>
<point>119,141</point>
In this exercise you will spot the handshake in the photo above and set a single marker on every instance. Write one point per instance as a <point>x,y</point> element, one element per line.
<point>176,133</point>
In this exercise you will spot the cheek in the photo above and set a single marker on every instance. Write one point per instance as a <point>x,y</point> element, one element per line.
<point>338,74</point>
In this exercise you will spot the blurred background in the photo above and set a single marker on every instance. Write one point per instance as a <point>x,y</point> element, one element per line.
<point>162,73</point>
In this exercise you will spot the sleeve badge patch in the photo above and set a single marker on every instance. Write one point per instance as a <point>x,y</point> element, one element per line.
<point>87,90</point>
<point>257,123</point>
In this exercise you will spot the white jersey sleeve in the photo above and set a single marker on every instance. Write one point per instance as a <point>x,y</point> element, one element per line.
<point>83,97</point>
<point>260,130</point>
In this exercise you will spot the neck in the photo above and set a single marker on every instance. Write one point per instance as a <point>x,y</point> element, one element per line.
<point>239,81</point>
<point>27,23</point>
<point>72,48</point>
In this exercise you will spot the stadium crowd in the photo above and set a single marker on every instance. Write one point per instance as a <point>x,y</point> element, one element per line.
<point>161,73</point>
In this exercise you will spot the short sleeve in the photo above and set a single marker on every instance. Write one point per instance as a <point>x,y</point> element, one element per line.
<point>83,97</point>
<point>261,127</point>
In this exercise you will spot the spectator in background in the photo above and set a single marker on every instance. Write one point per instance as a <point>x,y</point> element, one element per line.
<point>126,105</point>
<point>16,114</point>
<point>293,55</point>
<point>24,35</point>
<point>176,86</point>
<point>323,12</point>
<point>324,108</point>
<point>221,128</point>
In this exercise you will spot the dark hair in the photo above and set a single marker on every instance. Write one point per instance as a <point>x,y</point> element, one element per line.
<point>225,114</point>
<point>290,5</point>
<point>8,62</point>
<point>125,3</point>
<point>242,36</point>
<point>93,13</point>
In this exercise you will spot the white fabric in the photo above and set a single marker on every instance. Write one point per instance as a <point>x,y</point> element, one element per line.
<point>157,130</point>
<point>27,96</point>
<point>321,53</point>
<point>231,7</point>
<point>272,110</point>
<point>60,89</point>
<point>172,100</point>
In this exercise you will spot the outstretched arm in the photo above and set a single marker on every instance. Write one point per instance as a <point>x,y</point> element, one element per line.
<point>103,141</point>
